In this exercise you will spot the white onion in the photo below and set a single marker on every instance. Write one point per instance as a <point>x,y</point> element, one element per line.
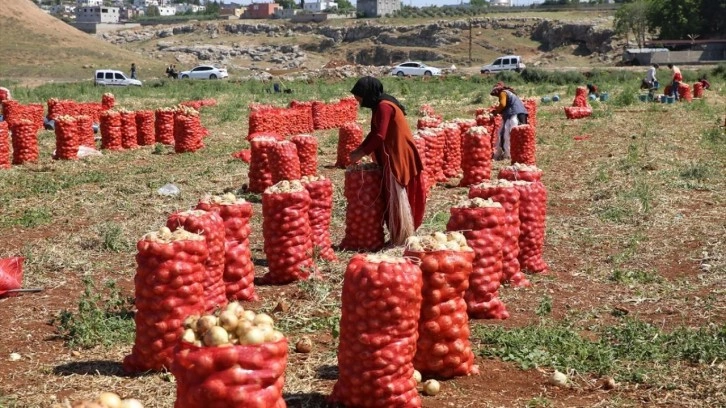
<point>216,336</point>
<point>252,337</point>
<point>189,336</point>
<point>110,400</point>
<point>431,387</point>
<point>262,319</point>
<point>228,320</point>
<point>131,403</point>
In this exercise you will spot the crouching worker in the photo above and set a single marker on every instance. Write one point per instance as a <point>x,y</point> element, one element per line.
<point>391,143</point>
<point>513,114</point>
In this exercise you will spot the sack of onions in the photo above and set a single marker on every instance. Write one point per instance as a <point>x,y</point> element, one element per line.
<point>452,150</point>
<point>320,213</point>
<point>4,146</point>
<point>307,153</point>
<point>435,143</point>
<point>145,132</point>
<point>532,217</point>
<point>480,222</point>
<point>108,101</point>
<point>443,349</point>
<point>523,144</point>
<point>111,131</point>
<point>476,163</point>
<point>428,122</point>
<point>239,271</point>
<point>188,131</point>
<point>210,225</point>
<point>378,333</point>
<point>365,208</point>
<point>576,112</point>
<point>260,172</point>
<point>504,192</point>
<point>519,171</point>
<point>531,105</point>
<point>84,130</point>
<point>286,232</point>
<point>698,90</point>
<point>25,141</point>
<point>233,358</point>
<point>350,136</point>
<point>128,130</point>
<point>66,138</point>
<point>164,125</point>
<point>285,162</point>
<point>169,285</point>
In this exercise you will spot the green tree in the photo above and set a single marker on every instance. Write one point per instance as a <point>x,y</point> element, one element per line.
<point>714,18</point>
<point>152,11</point>
<point>287,4</point>
<point>478,3</point>
<point>634,18</point>
<point>212,8</point>
<point>345,5</point>
<point>676,19</point>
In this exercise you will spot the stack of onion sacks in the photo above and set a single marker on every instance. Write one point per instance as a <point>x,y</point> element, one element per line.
<point>476,162</point>
<point>234,358</point>
<point>350,136</point>
<point>443,349</point>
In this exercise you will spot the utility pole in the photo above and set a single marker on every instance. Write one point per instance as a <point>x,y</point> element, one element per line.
<point>470,41</point>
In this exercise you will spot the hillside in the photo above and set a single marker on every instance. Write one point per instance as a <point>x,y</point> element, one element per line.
<point>37,45</point>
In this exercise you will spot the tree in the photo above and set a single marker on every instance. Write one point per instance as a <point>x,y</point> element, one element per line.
<point>152,11</point>
<point>675,19</point>
<point>345,5</point>
<point>478,3</point>
<point>287,4</point>
<point>634,18</point>
<point>714,18</point>
<point>213,8</point>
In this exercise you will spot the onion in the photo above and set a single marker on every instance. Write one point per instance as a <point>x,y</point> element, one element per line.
<point>243,327</point>
<point>235,308</point>
<point>304,345</point>
<point>275,336</point>
<point>191,322</point>
<point>249,315</point>
<point>263,319</point>
<point>110,400</point>
<point>131,403</point>
<point>189,336</point>
<point>228,320</point>
<point>216,336</point>
<point>252,337</point>
<point>417,376</point>
<point>431,387</point>
<point>559,379</point>
<point>205,323</point>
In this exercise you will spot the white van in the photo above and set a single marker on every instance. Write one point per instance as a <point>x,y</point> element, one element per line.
<point>505,63</point>
<point>110,77</point>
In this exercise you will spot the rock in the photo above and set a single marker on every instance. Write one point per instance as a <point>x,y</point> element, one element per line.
<point>14,357</point>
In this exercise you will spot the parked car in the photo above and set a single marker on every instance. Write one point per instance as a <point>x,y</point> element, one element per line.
<point>204,72</point>
<point>111,77</point>
<point>505,63</point>
<point>414,69</point>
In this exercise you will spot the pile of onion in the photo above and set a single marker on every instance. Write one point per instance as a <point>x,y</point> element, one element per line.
<point>106,400</point>
<point>230,326</point>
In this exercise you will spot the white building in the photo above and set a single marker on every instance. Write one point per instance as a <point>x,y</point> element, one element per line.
<point>146,3</point>
<point>501,3</point>
<point>89,3</point>
<point>167,10</point>
<point>320,6</point>
<point>183,8</point>
<point>60,9</point>
<point>87,14</point>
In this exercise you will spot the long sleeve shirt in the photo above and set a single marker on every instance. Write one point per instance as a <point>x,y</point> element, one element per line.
<point>502,102</point>
<point>650,75</point>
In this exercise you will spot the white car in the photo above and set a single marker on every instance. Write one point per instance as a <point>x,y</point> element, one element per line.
<point>112,77</point>
<point>505,63</point>
<point>204,72</point>
<point>414,69</point>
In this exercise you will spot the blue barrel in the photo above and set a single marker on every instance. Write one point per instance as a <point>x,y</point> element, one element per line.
<point>546,99</point>
<point>643,97</point>
<point>663,99</point>
<point>671,99</point>
<point>604,96</point>
<point>556,98</point>
<point>592,97</point>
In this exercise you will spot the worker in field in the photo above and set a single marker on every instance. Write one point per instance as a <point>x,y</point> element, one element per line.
<point>650,81</point>
<point>677,79</point>
<point>513,114</point>
<point>592,90</point>
<point>704,81</point>
<point>391,144</point>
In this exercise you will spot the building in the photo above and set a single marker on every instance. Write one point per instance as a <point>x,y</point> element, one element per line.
<point>261,10</point>
<point>146,3</point>
<point>501,3</point>
<point>377,8</point>
<point>322,5</point>
<point>62,10</point>
<point>91,3</point>
<point>185,7</point>
<point>167,10</point>
<point>227,11</point>
<point>97,14</point>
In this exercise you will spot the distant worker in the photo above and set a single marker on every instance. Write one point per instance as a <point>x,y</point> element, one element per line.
<point>704,82</point>
<point>592,90</point>
<point>513,114</point>
<point>133,71</point>
<point>677,79</point>
<point>650,82</point>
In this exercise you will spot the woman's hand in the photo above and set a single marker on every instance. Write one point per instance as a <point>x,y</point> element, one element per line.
<point>356,155</point>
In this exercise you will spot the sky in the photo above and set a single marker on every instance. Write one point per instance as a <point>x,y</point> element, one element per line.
<point>418,3</point>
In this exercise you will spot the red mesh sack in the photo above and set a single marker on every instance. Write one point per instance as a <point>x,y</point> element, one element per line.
<point>428,122</point>
<point>580,97</point>
<point>365,208</point>
<point>519,171</point>
<point>168,288</point>
<point>286,232</point>
<point>209,224</point>
<point>523,144</point>
<point>378,333</point>
<point>90,109</point>
<point>260,172</point>
<point>307,153</point>
<point>684,92</point>
<point>4,146</point>
<point>66,138</point>
<point>350,136</point>
<point>465,124</point>
<point>576,112</point>
<point>230,377</point>
<point>443,349</point>
<point>239,271</point>
<point>11,272</point>
<point>452,150</point>
<point>188,131</point>
<point>12,112</point>
<point>164,125</point>
<point>34,112</point>
<point>531,105</point>
<point>4,94</point>
<point>145,132</point>
<point>57,107</point>
<point>428,167</point>
<point>25,141</point>
<point>532,218</point>
<point>108,101</point>
<point>332,115</point>
<point>265,118</point>
<point>435,143</point>
<point>426,110</point>
<point>199,103</point>
<point>84,130</point>
<point>504,192</point>
<point>698,90</point>
<point>480,222</point>
<point>476,163</point>
<point>285,162</point>
<point>319,214</point>
<point>245,155</point>
<point>111,131</point>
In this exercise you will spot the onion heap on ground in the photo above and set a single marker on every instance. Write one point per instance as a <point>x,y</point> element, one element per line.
<point>285,162</point>
<point>523,144</point>
<point>260,171</point>
<point>320,213</point>
<point>286,231</point>
<point>66,138</point>
<point>350,136</point>
<point>239,271</point>
<point>504,192</point>
<point>233,358</point>
<point>378,333</point>
<point>476,163</point>
<point>481,223</point>
<point>169,286</point>
<point>443,349</point>
<point>365,208</point>
<point>111,130</point>
<point>307,153</point>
